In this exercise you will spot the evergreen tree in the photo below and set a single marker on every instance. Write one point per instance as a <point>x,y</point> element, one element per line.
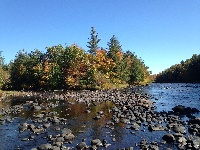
<point>93,43</point>
<point>115,53</point>
<point>114,48</point>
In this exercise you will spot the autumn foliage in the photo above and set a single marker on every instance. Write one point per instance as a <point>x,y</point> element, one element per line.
<point>71,67</point>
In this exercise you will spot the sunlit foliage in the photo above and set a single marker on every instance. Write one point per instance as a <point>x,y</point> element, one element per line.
<point>71,67</point>
<point>4,72</point>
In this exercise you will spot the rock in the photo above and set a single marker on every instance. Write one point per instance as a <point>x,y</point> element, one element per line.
<point>155,128</point>
<point>81,146</point>
<point>23,127</point>
<point>179,129</point>
<point>36,108</point>
<point>153,147</point>
<point>193,143</point>
<point>179,109</point>
<point>183,110</point>
<point>69,137</point>
<point>168,138</point>
<point>135,126</point>
<point>46,125</point>
<point>181,140</point>
<point>194,121</point>
<point>45,147</point>
<point>96,142</point>
<point>66,131</point>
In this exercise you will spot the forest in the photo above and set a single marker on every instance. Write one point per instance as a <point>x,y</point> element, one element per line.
<point>72,67</point>
<point>186,71</point>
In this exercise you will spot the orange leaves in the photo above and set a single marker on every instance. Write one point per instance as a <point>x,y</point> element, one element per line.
<point>102,62</point>
<point>120,55</point>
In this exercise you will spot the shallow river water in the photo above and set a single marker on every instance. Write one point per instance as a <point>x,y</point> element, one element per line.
<point>83,126</point>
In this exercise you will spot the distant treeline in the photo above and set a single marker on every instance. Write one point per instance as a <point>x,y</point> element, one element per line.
<point>186,71</point>
<point>71,67</point>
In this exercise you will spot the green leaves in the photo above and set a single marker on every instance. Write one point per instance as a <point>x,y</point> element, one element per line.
<point>71,67</point>
<point>186,71</point>
<point>93,43</point>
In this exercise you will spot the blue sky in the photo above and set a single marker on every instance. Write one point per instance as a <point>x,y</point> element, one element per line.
<point>161,32</point>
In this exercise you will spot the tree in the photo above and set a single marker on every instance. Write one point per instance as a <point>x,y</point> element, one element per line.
<point>93,43</point>
<point>186,71</point>
<point>26,70</point>
<point>115,53</point>
<point>4,73</point>
<point>114,48</point>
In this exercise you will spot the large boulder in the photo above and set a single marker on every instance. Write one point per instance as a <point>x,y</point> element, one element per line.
<point>168,138</point>
<point>179,109</point>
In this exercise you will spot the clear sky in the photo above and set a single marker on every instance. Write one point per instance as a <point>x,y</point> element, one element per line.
<point>161,32</point>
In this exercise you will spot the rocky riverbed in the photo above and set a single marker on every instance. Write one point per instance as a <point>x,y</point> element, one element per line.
<point>111,119</point>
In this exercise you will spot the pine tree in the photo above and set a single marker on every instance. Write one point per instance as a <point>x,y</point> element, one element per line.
<point>93,43</point>
<point>115,53</point>
<point>114,48</point>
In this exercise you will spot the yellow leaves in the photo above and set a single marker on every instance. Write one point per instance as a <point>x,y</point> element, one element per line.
<point>22,69</point>
<point>38,68</point>
<point>102,62</point>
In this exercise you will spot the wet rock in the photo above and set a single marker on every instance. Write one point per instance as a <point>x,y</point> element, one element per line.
<point>31,137</point>
<point>66,131</point>
<point>168,138</point>
<point>82,146</point>
<point>135,126</point>
<point>46,125</point>
<point>37,108</point>
<point>194,121</point>
<point>96,142</point>
<point>156,128</point>
<point>55,120</point>
<point>69,137</point>
<point>179,129</point>
<point>180,109</point>
<point>194,129</point>
<point>193,143</point>
<point>124,120</point>
<point>23,127</point>
<point>2,121</point>
<point>144,144</point>
<point>45,147</point>
<point>153,147</point>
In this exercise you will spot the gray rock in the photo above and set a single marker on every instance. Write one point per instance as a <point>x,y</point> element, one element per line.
<point>135,126</point>
<point>179,129</point>
<point>96,142</point>
<point>81,146</point>
<point>66,131</point>
<point>45,147</point>
<point>36,108</point>
<point>69,137</point>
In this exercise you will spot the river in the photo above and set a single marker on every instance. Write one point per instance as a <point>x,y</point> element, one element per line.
<point>83,126</point>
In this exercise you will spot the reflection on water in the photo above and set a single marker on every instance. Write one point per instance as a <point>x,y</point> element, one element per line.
<point>83,124</point>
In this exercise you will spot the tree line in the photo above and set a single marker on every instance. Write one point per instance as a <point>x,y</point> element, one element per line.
<point>71,67</point>
<point>185,71</point>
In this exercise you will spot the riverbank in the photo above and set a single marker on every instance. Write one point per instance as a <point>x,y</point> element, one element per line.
<point>108,119</point>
